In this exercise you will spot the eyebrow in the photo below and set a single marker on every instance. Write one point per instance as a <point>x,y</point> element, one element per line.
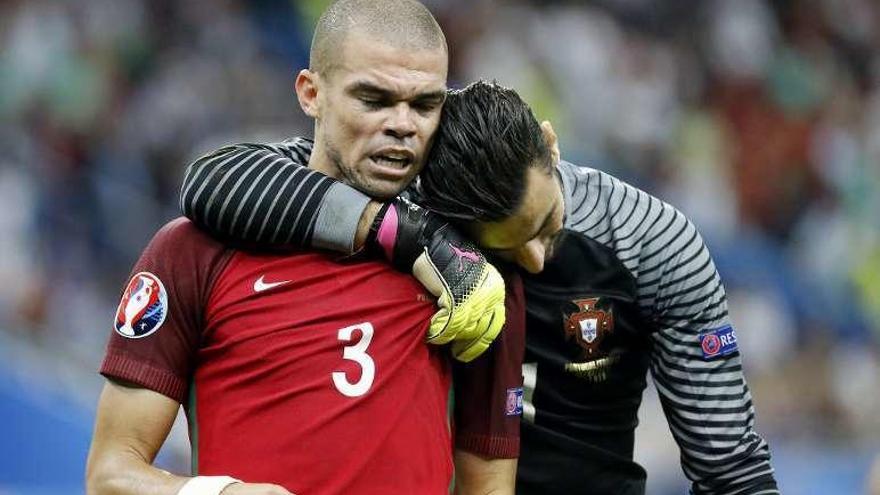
<point>365,87</point>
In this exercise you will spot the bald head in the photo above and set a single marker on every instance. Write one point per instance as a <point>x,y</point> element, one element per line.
<point>401,23</point>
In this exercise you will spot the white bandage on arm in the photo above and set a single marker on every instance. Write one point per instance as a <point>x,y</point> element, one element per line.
<point>206,485</point>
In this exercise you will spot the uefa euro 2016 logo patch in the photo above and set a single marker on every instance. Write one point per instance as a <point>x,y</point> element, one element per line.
<point>718,342</point>
<point>143,307</point>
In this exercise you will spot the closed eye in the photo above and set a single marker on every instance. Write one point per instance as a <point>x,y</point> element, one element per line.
<point>425,106</point>
<point>372,103</point>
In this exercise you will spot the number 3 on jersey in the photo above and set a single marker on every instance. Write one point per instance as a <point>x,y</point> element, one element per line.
<point>356,352</point>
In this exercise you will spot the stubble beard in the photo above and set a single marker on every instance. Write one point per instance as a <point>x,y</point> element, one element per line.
<point>348,175</point>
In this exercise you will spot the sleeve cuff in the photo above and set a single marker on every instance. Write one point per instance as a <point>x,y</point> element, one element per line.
<point>487,446</point>
<point>338,218</point>
<point>163,382</point>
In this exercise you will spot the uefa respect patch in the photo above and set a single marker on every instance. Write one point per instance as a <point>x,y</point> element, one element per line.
<point>718,342</point>
<point>514,404</point>
<point>143,307</point>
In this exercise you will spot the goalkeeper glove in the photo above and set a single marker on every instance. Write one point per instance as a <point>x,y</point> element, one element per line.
<point>469,290</point>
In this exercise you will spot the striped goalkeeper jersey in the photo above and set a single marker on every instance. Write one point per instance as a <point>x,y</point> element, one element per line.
<point>631,289</point>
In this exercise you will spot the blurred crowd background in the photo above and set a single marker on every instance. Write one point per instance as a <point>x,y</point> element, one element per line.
<point>759,119</point>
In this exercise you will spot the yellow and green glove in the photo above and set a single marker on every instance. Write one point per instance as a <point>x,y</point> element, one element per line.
<point>469,290</point>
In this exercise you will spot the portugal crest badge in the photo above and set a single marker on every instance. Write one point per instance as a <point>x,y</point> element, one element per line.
<point>588,326</point>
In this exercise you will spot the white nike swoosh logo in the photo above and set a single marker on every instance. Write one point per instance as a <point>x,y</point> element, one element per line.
<point>260,285</point>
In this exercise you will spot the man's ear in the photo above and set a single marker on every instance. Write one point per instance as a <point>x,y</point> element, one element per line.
<point>551,140</point>
<point>306,86</point>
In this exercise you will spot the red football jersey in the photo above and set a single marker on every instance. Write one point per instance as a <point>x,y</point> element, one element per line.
<point>299,370</point>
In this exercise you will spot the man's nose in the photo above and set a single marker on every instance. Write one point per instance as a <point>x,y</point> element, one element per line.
<point>400,122</point>
<point>531,256</point>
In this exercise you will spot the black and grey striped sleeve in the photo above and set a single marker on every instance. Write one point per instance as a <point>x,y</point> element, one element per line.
<point>265,194</point>
<point>704,395</point>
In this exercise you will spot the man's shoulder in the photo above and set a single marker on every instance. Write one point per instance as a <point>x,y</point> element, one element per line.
<point>595,193</point>
<point>182,231</point>
<point>579,176</point>
<point>180,239</point>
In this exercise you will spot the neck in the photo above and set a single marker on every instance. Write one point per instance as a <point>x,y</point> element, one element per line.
<point>320,158</point>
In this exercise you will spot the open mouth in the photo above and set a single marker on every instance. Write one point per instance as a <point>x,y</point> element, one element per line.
<point>399,163</point>
<point>393,159</point>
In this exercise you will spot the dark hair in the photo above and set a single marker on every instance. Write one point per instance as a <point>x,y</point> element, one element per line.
<point>404,23</point>
<point>487,140</point>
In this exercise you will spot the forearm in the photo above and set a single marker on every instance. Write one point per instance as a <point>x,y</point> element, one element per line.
<point>266,195</point>
<point>721,451</point>
<point>476,475</point>
<point>343,220</point>
<point>130,428</point>
<point>123,473</point>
